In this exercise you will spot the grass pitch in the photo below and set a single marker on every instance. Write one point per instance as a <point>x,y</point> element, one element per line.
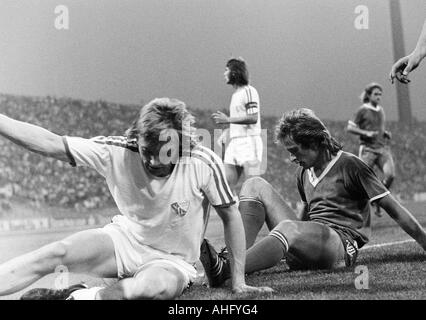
<point>391,266</point>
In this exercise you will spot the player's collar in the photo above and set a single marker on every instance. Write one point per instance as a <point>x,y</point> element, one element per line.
<point>311,173</point>
<point>371,107</point>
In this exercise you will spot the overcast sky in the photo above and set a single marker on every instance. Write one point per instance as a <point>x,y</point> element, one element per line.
<point>299,52</point>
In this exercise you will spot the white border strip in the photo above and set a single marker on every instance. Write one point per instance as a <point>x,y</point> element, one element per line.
<point>380,245</point>
<point>379,196</point>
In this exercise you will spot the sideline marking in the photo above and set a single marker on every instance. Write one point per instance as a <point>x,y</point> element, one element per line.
<point>387,244</point>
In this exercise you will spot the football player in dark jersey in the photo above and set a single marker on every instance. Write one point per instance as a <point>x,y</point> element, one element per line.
<point>369,123</point>
<point>336,189</point>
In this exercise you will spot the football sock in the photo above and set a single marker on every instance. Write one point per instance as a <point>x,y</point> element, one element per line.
<point>267,252</point>
<point>253,216</point>
<point>86,294</point>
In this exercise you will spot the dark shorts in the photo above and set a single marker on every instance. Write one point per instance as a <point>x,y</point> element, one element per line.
<point>349,244</point>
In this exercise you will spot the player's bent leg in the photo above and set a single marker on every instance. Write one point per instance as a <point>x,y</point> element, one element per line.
<point>313,245</point>
<point>276,209</point>
<point>20,272</point>
<point>260,203</point>
<point>253,216</point>
<point>89,251</point>
<point>155,282</point>
<point>308,245</point>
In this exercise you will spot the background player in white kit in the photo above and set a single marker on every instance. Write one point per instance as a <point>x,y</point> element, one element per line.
<point>161,181</point>
<point>244,147</point>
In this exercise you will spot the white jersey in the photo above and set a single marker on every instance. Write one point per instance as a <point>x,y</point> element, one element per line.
<point>245,101</point>
<point>164,213</point>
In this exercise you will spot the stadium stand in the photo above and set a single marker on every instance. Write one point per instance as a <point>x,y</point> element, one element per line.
<point>46,181</point>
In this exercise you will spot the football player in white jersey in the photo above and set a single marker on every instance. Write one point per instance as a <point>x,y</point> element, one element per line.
<point>161,182</point>
<point>244,147</point>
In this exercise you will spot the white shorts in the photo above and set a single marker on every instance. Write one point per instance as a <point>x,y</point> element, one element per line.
<point>245,151</point>
<point>132,257</point>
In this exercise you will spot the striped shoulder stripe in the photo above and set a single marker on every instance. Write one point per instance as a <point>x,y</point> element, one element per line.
<point>248,93</point>
<point>213,161</point>
<point>118,141</point>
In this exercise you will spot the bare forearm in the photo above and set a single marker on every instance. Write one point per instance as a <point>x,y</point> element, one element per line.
<point>33,138</point>
<point>421,43</point>
<point>404,219</point>
<point>235,242</point>
<point>252,119</point>
<point>357,131</point>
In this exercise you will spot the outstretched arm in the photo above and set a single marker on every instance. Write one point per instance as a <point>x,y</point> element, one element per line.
<point>405,65</point>
<point>404,218</point>
<point>235,242</point>
<point>33,138</point>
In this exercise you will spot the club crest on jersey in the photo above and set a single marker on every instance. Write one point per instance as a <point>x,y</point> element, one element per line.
<point>351,249</point>
<point>180,208</point>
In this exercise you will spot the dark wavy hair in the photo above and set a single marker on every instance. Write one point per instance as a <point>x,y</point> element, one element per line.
<point>163,114</point>
<point>239,74</point>
<point>305,128</point>
<point>365,95</point>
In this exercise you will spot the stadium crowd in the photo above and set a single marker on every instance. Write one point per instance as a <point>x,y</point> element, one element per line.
<point>41,180</point>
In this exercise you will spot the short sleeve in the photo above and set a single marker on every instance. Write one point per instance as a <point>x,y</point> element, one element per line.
<point>363,180</point>
<point>359,116</point>
<point>212,177</point>
<point>88,152</point>
<point>251,102</point>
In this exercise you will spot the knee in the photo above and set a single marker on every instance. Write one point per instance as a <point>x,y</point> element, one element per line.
<point>289,229</point>
<point>148,289</point>
<point>49,257</point>
<point>254,186</point>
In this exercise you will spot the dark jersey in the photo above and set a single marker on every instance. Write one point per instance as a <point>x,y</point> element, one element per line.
<point>341,196</point>
<point>372,119</point>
